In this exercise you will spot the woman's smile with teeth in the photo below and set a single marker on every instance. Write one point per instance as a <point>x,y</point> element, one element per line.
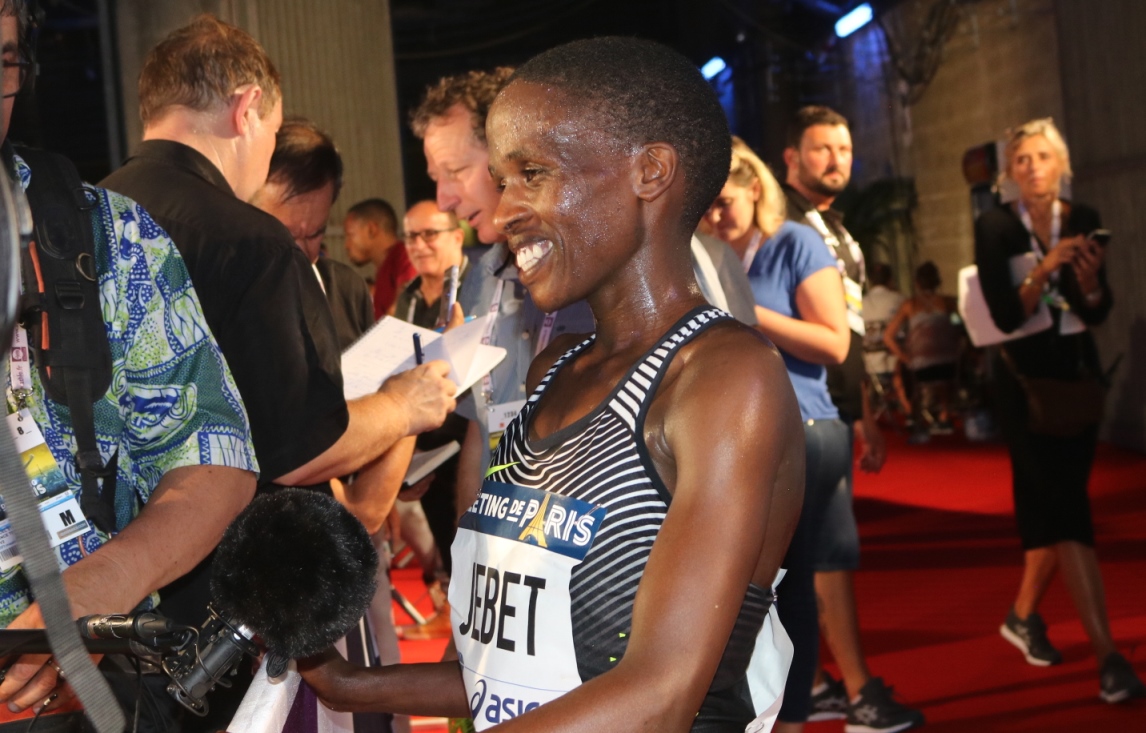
<point>530,254</point>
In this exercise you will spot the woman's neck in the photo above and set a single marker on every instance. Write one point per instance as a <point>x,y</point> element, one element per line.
<point>740,245</point>
<point>1040,207</point>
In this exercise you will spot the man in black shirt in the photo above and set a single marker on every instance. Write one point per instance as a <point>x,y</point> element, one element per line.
<point>819,161</point>
<point>206,150</point>
<point>211,104</point>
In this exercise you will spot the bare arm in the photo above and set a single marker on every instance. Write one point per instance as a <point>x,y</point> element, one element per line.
<point>371,494</point>
<point>406,689</point>
<point>701,564</point>
<point>408,403</point>
<point>820,335</point>
<point>892,330</point>
<point>704,556</point>
<point>178,527</point>
<point>470,469</point>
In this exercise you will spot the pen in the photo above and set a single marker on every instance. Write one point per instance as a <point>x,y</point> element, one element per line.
<point>418,349</point>
<point>442,329</point>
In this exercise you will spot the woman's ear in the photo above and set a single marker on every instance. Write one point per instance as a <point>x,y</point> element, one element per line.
<point>655,168</point>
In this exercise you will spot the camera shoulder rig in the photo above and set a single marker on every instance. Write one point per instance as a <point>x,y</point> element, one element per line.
<point>61,311</point>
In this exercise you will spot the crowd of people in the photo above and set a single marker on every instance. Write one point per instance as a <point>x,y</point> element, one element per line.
<point>635,533</point>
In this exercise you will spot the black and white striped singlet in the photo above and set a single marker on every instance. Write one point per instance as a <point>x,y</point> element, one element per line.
<point>602,459</point>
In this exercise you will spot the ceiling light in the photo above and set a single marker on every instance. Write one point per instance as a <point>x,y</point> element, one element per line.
<point>848,24</point>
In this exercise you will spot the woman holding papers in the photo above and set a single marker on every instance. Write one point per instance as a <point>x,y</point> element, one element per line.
<point>1043,252</point>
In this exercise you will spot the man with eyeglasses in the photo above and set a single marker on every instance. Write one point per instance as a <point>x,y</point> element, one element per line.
<point>434,244</point>
<point>433,241</point>
<point>16,68</point>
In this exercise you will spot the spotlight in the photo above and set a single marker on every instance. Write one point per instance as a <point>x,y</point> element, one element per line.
<point>851,22</point>
<point>712,67</point>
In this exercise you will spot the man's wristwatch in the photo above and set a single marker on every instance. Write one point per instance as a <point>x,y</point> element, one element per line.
<point>1029,279</point>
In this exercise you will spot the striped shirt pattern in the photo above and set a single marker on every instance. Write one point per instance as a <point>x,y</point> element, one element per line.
<point>602,459</point>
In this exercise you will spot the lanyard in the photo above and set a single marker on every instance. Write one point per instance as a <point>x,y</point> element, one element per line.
<point>543,336</point>
<point>816,220</point>
<point>1069,323</point>
<point>20,371</point>
<point>1056,228</point>
<point>1051,296</point>
<point>487,339</point>
<point>753,248</point>
<point>546,333</point>
<point>318,276</point>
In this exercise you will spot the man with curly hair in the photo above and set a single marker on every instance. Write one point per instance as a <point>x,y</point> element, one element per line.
<point>451,123</point>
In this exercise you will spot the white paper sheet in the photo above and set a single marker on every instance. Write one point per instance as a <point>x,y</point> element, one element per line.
<point>975,314</point>
<point>388,348</point>
<point>424,462</point>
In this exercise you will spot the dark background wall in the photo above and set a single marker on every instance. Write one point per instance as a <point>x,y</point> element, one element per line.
<point>928,81</point>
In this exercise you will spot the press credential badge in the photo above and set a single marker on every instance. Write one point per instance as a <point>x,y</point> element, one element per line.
<point>59,508</point>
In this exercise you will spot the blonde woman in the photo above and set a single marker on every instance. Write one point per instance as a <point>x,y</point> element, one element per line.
<point>800,307</point>
<point>1050,472</point>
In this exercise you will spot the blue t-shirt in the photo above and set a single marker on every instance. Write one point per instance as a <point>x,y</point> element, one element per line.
<point>793,253</point>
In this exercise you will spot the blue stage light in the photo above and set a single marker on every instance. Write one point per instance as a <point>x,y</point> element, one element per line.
<point>848,24</point>
<point>712,67</point>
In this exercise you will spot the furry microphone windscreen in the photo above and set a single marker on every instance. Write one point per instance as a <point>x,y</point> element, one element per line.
<point>296,568</point>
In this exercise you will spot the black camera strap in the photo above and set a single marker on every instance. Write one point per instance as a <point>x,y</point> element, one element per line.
<point>61,311</point>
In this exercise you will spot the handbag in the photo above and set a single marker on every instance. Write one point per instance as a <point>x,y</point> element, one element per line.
<point>1062,408</point>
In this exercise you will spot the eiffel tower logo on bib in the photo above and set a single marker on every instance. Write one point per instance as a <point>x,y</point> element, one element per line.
<point>536,528</point>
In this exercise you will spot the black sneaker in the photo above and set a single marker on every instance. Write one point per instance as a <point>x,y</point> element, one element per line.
<point>831,702</point>
<point>1030,636</point>
<point>1119,682</point>
<point>876,712</point>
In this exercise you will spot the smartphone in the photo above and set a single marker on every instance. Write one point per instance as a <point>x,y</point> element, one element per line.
<point>449,296</point>
<point>1100,237</point>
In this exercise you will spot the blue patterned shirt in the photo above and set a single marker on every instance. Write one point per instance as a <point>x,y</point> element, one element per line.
<point>172,401</point>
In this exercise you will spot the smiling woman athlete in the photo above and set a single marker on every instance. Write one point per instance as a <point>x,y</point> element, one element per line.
<point>615,570</point>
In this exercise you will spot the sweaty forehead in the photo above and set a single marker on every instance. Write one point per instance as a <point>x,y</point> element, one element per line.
<point>528,119</point>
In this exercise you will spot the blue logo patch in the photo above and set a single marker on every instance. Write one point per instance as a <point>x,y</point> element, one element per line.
<point>557,523</point>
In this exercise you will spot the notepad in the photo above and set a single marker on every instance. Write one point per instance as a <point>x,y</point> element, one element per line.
<point>388,348</point>
<point>426,462</point>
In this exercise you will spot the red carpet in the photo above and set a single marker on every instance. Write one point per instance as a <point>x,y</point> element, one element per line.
<point>941,565</point>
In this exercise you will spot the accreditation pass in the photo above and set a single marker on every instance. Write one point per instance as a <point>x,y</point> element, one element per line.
<point>59,509</point>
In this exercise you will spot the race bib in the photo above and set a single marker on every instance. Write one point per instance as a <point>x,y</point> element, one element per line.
<point>514,554</point>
